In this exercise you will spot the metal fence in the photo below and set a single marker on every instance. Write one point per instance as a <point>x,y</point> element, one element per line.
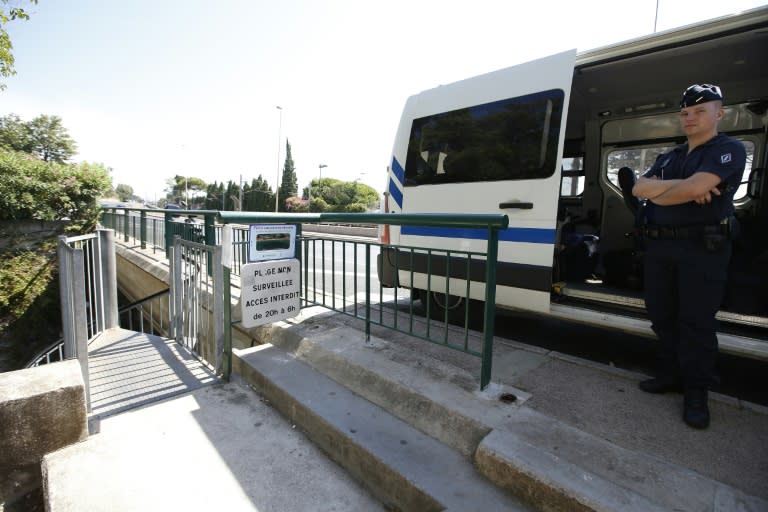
<point>88,290</point>
<point>156,229</point>
<point>51,354</point>
<point>150,315</point>
<point>198,302</point>
<point>432,303</point>
<point>340,275</point>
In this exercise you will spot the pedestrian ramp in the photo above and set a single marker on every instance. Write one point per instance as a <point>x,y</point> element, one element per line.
<point>129,369</point>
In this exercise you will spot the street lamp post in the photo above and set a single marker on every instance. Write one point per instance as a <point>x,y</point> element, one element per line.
<point>309,203</point>
<point>279,137</point>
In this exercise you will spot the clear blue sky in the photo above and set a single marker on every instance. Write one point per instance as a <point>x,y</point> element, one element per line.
<point>157,88</point>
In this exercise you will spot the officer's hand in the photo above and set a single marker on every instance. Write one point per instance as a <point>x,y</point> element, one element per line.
<point>707,198</point>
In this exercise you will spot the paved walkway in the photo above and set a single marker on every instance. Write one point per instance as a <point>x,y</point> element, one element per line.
<point>219,447</point>
<point>129,369</point>
<point>166,434</point>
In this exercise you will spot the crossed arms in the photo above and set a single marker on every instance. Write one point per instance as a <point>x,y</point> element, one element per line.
<point>699,187</point>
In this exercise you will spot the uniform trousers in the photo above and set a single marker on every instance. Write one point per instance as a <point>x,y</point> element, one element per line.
<point>684,286</point>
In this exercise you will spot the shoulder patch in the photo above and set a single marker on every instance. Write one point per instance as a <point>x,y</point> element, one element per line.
<point>725,158</point>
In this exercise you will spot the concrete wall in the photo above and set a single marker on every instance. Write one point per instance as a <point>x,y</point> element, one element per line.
<point>41,410</point>
<point>25,234</point>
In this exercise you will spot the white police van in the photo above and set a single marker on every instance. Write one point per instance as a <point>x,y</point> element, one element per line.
<point>543,142</point>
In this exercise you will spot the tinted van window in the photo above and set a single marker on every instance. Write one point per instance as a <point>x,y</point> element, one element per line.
<point>510,139</point>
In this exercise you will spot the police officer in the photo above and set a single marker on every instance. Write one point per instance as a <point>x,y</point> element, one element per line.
<point>688,226</point>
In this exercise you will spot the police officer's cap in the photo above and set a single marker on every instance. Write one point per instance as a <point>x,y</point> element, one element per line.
<point>703,93</point>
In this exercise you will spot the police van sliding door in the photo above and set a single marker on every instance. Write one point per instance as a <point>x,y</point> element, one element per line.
<point>490,144</point>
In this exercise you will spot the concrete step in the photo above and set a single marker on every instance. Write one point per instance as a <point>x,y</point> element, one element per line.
<point>403,467</point>
<point>547,463</point>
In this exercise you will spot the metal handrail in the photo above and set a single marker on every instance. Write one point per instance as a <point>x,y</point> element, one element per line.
<point>459,220</point>
<point>139,302</point>
<point>139,307</point>
<point>44,355</point>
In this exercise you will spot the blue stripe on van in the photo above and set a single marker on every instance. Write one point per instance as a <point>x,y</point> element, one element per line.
<point>395,193</point>
<point>529,235</point>
<point>398,170</point>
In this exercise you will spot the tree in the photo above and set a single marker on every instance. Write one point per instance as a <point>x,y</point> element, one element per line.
<point>214,197</point>
<point>6,57</point>
<point>44,137</point>
<point>289,185</point>
<point>258,196</point>
<point>34,189</point>
<point>233,196</point>
<point>332,195</point>
<point>48,139</point>
<point>124,192</point>
<point>12,135</point>
<point>185,189</point>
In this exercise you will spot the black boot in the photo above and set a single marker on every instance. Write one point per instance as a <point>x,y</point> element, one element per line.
<point>695,408</point>
<point>661,384</point>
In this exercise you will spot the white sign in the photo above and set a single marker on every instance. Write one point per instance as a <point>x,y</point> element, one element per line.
<point>271,241</point>
<point>270,291</point>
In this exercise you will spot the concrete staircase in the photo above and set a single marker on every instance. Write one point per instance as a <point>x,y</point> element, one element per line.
<point>421,437</point>
<point>402,466</point>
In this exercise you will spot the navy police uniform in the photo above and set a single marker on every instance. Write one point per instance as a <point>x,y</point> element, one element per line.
<point>688,250</point>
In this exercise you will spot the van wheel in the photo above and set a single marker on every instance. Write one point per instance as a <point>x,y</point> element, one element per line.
<point>440,302</point>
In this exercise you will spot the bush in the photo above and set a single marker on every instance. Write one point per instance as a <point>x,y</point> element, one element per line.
<point>34,189</point>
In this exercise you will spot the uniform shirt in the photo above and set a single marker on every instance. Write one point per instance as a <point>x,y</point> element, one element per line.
<point>721,155</point>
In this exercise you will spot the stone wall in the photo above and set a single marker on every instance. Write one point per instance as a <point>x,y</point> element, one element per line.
<point>27,234</point>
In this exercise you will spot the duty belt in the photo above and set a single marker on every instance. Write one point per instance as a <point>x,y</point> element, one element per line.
<point>689,232</point>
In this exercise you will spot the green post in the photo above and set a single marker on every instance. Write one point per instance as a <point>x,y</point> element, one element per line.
<point>368,292</point>
<point>210,229</point>
<point>210,236</point>
<point>297,255</point>
<point>168,234</point>
<point>227,324</point>
<point>125,224</point>
<point>143,229</point>
<point>489,312</point>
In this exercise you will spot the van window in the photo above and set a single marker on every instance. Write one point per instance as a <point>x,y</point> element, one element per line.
<point>638,159</point>
<point>510,139</point>
<point>641,159</point>
<point>572,183</point>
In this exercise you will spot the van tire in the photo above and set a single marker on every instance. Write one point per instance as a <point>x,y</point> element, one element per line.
<point>456,306</point>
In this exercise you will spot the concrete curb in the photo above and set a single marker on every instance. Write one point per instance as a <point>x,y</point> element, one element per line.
<point>550,482</point>
<point>386,484</point>
<point>552,465</point>
<point>406,469</point>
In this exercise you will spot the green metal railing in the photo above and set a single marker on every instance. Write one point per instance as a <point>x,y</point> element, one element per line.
<point>322,287</point>
<point>357,296</point>
<point>157,228</point>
